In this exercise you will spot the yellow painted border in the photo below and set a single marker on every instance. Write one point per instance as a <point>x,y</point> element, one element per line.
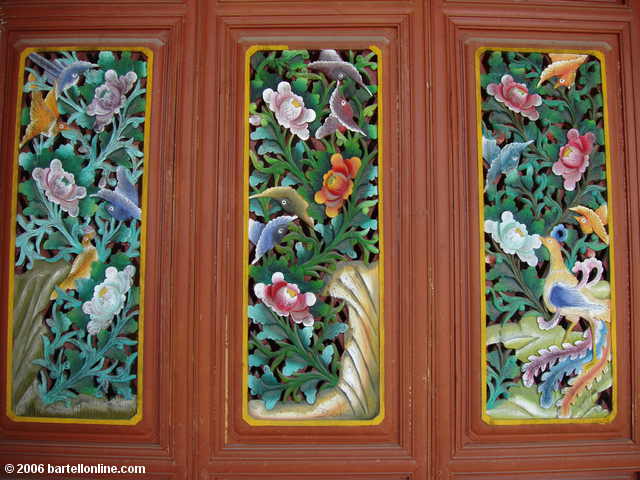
<point>614,411</point>
<point>143,236</point>
<point>245,258</point>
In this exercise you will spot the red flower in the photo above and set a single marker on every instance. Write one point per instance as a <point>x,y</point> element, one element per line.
<point>337,183</point>
<point>573,159</point>
<point>285,299</point>
<point>516,97</point>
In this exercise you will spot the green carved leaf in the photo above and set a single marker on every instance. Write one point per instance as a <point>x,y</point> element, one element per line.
<point>523,403</point>
<point>526,337</point>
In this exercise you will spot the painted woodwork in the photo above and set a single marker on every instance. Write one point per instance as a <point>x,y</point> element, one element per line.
<point>78,246</point>
<point>313,256</point>
<point>547,247</point>
<point>195,308</point>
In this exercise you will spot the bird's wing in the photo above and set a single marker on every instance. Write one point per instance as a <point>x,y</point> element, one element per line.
<point>266,240</point>
<point>124,208</point>
<point>51,102</point>
<point>560,57</point>
<point>329,126</point>
<point>330,56</point>
<point>125,187</point>
<point>334,67</point>
<point>510,154</point>
<point>341,109</point>
<point>255,230</point>
<point>563,296</point>
<point>40,117</point>
<point>562,64</point>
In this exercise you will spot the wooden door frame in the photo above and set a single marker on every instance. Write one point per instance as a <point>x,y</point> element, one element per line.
<point>192,425</point>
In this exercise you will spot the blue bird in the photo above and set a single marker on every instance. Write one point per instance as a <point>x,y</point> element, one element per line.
<point>501,160</point>
<point>59,74</point>
<point>265,237</point>
<point>123,201</point>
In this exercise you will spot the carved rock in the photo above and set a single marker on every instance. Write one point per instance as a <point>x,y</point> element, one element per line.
<point>357,394</point>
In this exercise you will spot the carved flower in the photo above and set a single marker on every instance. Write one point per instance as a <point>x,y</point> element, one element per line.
<point>60,186</point>
<point>560,233</point>
<point>109,97</point>
<point>337,183</point>
<point>108,298</point>
<point>573,158</point>
<point>289,109</point>
<point>513,238</point>
<point>516,97</point>
<point>285,299</point>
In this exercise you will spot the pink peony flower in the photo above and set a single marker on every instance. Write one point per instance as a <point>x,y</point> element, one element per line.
<point>289,109</point>
<point>516,97</point>
<point>60,186</point>
<point>573,158</point>
<point>285,299</point>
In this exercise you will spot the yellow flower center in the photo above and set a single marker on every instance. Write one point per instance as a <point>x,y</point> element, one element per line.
<point>103,291</point>
<point>296,103</point>
<point>568,151</point>
<point>291,292</point>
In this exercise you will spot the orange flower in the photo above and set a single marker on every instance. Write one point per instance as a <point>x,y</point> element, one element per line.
<point>337,183</point>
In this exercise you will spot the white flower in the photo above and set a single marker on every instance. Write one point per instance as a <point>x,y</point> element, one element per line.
<point>289,109</point>
<point>513,238</point>
<point>108,298</point>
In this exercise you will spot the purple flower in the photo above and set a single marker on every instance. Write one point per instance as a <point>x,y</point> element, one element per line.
<point>60,186</point>
<point>560,233</point>
<point>109,97</point>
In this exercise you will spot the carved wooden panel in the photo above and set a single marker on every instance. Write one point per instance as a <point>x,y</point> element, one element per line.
<point>154,437</point>
<point>226,441</point>
<point>76,258</point>
<point>474,445</point>
<point>546,164</point>
<point>313,345</point>
<point>192,424</point>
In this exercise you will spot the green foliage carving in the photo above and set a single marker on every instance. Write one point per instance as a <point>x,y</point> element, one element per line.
<point>543,149</point>
<point>88,342</point>
<point>295,355</point>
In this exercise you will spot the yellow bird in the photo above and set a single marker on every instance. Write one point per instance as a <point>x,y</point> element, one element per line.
<point>564,66</point>
<point>81,267</point>
<point>564,296</point>
<point>593,221</point>
<point>290,201</point>
<point>44,115</point>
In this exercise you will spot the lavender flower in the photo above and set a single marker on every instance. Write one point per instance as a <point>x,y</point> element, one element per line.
<point>109,97</point>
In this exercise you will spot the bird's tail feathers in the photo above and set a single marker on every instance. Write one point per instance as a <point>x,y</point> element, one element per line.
<point>51,70</point>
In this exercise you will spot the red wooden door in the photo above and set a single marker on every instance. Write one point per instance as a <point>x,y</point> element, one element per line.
<point>192,423</point>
